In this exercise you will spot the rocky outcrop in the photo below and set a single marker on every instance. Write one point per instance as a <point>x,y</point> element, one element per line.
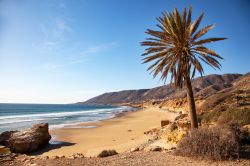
<point>5,137</point>
<point>26,141</point>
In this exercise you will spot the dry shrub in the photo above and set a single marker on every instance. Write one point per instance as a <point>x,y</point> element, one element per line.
<point>106,153</point>
<point>217,143</point>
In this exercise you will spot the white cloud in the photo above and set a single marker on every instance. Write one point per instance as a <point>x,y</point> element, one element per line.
<point>92,50</point>
<point>83,56</point>
<point>55,31</point>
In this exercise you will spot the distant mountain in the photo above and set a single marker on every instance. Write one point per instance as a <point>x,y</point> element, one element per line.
<point>201,87</point>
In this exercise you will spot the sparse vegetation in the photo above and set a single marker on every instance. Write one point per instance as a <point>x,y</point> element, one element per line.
<point>241,116</point>
<point>217,143</point>
<point>106,153</point>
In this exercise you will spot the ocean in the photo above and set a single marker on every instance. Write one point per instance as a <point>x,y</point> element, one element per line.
<point>21,116</point>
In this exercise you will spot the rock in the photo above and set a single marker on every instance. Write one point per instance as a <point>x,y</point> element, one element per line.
<point>171,127</point>
<point>184,125</point>
<point>26,141</point>
<point>123,157</point>
<point>154,131</point>
<point>156,149</point>
<point>54,157</point>
<point>32,157</point>
<point>172,148</point>
<point>150,140</point>
<point>71,157</point>
<point>45,158</point>
<point>134,149</point>
<point>153,148</point>
<point>106,153</point>
<point>78,155</point>
<point>26,162</point>
<point>24,159</point>
<point>4,150</point>
<point>164,122</point>
<point>141,148</point>
<point>5,136</point>
<point>74,156</point>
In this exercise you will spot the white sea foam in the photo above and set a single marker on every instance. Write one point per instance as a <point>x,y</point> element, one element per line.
<point>60,114</point>
<point>68,119</point>
<point>22,120</point>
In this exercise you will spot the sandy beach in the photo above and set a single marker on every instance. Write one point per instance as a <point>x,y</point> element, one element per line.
<point>119,133</point>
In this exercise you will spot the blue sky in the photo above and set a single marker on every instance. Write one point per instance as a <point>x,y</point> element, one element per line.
<point>63,51</point>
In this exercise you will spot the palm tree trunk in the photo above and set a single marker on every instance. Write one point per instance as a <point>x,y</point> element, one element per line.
<point>192,109</point>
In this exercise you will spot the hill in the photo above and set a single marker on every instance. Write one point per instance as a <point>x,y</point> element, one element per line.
<point>201,86</point>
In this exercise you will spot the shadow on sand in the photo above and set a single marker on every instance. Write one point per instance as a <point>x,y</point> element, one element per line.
<point>52,145</point>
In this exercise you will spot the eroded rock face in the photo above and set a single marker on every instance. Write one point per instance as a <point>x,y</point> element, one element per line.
<point>5,136</point>
<point>26,141</point>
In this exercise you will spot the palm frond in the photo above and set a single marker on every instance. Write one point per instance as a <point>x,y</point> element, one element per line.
<point>207,51</point>
<point>189,19</point>
<point>197,23</point>
<point>209,40</point>
<point>174,49</point>
<point>202,32</point>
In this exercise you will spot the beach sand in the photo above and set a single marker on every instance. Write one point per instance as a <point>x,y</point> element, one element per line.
<point>119,133</point>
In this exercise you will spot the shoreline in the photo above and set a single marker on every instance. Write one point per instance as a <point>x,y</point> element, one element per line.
<point>87,125</point>
<point>120,133</point>
<point>82,124</point>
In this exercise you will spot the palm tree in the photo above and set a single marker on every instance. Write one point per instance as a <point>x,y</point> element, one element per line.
<point>177,49</point>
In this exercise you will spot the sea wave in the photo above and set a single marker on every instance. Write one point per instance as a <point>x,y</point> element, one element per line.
<point>23,120</point>
<point>61,114</point>
<point>68,119</point>
<point>70,125</point>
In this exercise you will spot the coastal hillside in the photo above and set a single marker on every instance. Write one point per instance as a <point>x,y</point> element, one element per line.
<point>213,98</point>
<point>201,86</point>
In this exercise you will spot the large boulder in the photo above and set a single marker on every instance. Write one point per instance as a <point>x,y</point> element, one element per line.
<point>26,141</point>
<point>5,136</point>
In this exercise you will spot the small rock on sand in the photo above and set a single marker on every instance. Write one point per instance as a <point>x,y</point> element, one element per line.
<point>153,148</point>
<point>106,153</point>
<point>54,157</point>
<point>134,149</point>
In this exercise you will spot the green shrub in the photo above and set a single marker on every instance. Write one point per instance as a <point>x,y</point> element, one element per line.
<point>231,115</point>
<point>218,143</point>
<point>240,116</point>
